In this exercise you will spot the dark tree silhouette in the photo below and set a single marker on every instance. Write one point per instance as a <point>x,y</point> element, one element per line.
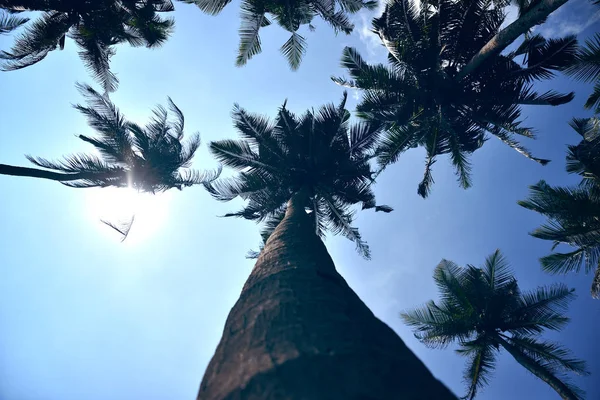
<point>96,26</point>
<point>425,99</point>
<point>573,212</point>
<point>290,15</point>
<point>298,331</point>
<point>151,159</point>
<point>484,310</point>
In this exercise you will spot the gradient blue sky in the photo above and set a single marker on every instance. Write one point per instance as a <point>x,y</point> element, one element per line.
<point>83,316</point>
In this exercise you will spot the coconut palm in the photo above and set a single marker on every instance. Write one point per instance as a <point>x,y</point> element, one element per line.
<point>290,15</point>
<point>587,68</point>
<point>95,26</point>
<point>296,316</point>
<point>151,159</point>
<point>484,311</point>
<point>573,212</point>
<point>423,96</point>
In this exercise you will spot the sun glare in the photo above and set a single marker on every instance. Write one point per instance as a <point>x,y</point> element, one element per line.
<point>118,206</point>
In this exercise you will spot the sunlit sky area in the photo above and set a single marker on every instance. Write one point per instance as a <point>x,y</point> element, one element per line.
<point>84,316</point>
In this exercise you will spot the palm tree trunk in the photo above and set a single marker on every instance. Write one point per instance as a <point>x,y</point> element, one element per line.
<point>563,390</point>
<point>536,15</point>
<point>54,176</point>
<point>299,332</point>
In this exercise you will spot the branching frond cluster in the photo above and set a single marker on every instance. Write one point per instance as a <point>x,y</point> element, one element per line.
<point>421,100</point>
<point>95,26</point>
<point>290,15</point>
<point>587,69</point>
<point>573,212</point>
<point>319,152</point>
<point>483,309</point>
<point>153,158</point>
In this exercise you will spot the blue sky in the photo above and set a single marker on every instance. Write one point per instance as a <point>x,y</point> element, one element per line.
<point>84,316</point>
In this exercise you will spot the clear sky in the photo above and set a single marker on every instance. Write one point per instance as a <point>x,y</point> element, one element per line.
<point>83,316</point>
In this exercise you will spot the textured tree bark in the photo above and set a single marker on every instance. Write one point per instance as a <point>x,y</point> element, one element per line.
<point>562,389</point>
<point>536,15</point>
<point>54,176</point>
<point>299,332</point>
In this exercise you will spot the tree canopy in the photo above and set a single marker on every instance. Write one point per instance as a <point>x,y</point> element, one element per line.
<point>483,310</point>
<point>423,100</point>
<point>319,153</point>
<point>95,26</point>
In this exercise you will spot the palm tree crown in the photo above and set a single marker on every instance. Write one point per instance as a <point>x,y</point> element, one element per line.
<point>151,159</point>
<point>421,97</point>
<point>290,15</point>
<point>573,212</point>
<point>95,26</point>
<point>483,309</point>
<point>318,155</point>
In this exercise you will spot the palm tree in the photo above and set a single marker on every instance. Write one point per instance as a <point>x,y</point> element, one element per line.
<point>483,310</point>
<point>573,212</point>
<point>423,96</point>
<point>149,159</point>
<point>290,15</point>
<point>96,27</point>
<point>587,68</point>
<point>296,316</point>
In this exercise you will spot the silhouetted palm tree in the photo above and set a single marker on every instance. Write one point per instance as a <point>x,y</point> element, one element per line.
<point>96,26</point>
<point>149,159</point>
<point>424,97</point>
<point>484,310</point>
<point>573,212</point>
<point>298,331</point>
<point>290,15</point>
<point>587,68</point>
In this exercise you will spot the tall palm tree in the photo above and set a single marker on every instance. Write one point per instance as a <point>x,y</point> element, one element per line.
<point>587,68</point>
<point>290,15</point>
<point>96,27</point>
<point>298,331</point>
<point>151,159</point>
<point>422,96</point>
<point>484,310</point>
<point>573,212</point>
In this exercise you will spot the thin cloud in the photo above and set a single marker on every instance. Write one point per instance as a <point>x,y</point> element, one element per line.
<point>571,19</point>
<point>375,51</point>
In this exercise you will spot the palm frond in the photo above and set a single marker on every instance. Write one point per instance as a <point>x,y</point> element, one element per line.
<point>482,362</point>
<point>96,57</point>
<point>587,64</point>
<point>212,7</point>
<point>547,56</point>
<point>9,22</point>
<point>593,102</point>
<point>340,223</point>
<point>252,20</point>
<point>122,227</point>
<point>552,353</point>
<point>36,41</point>
<point>294,49</point>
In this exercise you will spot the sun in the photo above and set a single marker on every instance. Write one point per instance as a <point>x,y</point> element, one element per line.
<point>121,206</point>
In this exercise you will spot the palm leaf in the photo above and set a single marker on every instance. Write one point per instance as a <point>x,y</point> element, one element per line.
<point>252,20</point>
<point>9,22</point>
<point>294,49</point>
